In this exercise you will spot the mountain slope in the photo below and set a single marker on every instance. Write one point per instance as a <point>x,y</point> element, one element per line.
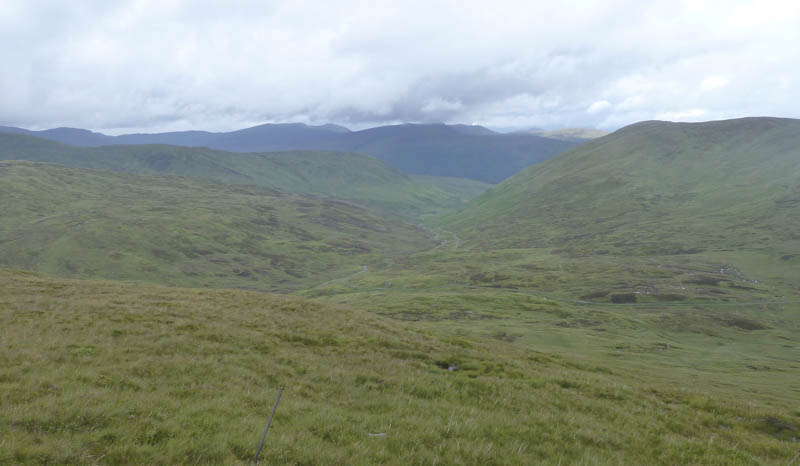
<point>654,187</point>
<point>440,150</point>
<point>656,210</point>
<point>359,178</point>
<point>183,231</point>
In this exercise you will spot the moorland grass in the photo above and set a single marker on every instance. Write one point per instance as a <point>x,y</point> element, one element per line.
<point>113,373</point>
<point>687,320</point>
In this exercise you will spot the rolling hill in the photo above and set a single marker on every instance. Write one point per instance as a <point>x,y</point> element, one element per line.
<point>459,151</point>
<point>355,177</point>
<point>654,188</point>
<point>185,231</point>
<point>723,192</point>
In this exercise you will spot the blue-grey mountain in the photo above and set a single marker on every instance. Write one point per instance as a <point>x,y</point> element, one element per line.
<point>461,151</point>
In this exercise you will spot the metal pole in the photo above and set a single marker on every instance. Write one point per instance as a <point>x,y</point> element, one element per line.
<point>269,421</point>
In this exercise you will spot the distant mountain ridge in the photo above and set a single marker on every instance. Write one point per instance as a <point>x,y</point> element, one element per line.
<point>243,140</point>
<point>567,134</point>
<point>462,151</point>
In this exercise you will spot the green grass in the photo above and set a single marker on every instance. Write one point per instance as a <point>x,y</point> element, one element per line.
<point>133,374</point>
<point>182,231</point>
<point>353,177</point>
<point>716,321</point>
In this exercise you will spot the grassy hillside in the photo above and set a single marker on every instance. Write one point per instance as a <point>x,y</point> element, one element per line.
<point>86,223</point>
<point>359,178</point>
<point>654,187</point>
<point>728,191</point>
<point>135,374</point>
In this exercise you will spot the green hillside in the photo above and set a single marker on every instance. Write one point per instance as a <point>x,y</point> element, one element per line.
<point>184,231</point>
<point>140,374</point>
<point>355,177</point>
<point>654,187</point>
<point>727,191</point>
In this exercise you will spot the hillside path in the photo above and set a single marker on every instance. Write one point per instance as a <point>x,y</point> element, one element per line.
<point>344,280</point>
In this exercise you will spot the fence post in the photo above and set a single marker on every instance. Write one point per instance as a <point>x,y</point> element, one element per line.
<point>266,429</point>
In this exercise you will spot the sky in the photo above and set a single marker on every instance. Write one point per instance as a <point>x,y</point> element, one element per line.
<point>164,65</point>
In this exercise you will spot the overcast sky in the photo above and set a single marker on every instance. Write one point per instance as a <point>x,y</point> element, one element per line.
<point>192,64</point>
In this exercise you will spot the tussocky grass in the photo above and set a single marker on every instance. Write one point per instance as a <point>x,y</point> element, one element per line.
<point>113,373</point>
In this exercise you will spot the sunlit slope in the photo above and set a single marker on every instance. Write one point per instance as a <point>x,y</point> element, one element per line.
<point>654,188</point>
<point>356,177</point>
<point>104,372</point>
<point>87,223</point>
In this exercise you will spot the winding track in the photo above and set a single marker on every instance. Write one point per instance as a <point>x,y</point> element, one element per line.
<point>345,279</point>
<point>364,269</point>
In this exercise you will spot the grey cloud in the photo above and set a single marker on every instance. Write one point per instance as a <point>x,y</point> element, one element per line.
<point>178,64</point>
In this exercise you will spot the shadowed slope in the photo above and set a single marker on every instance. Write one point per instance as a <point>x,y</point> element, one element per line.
<point>458,151</point>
